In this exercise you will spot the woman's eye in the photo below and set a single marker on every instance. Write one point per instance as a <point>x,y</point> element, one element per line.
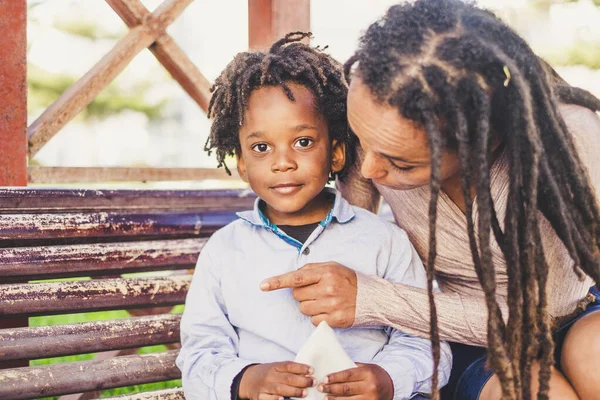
<point>304,142</point>
<point>260,147</point>
<point>402,169</point>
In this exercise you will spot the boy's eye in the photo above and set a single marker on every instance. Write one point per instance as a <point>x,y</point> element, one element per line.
<point>261,147</point>
<point>304,142</point>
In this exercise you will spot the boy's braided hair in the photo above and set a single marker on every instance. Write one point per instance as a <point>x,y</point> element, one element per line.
<point>287,61</point>
<point>450,59</point>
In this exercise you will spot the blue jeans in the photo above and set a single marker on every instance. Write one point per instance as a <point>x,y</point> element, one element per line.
<point>469,373</point>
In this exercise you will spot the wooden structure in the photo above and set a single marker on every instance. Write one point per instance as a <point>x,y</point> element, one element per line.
<point>90,238</point>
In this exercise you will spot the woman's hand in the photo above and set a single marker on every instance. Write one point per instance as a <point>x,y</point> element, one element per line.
<point>276,380</point>
<point>366,382</point>
<point>326,292</point>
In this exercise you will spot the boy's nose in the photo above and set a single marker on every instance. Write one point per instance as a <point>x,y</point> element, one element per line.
<point>283,162</point>
<point>371,167</point>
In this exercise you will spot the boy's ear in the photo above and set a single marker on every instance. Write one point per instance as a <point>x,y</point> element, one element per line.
<point>338,156</point>
<point>241,167</point>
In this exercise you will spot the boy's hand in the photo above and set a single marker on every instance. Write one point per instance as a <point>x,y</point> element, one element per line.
<point>275,381</point>
<point>365,382</point>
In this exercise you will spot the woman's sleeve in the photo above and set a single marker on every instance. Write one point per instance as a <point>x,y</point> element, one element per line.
<point>460,318</point>
<point>357,190</point>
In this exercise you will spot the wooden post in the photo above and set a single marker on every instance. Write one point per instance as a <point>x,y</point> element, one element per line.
<point>270,20</point>
<point>13,112</point>
<point>13,92</point>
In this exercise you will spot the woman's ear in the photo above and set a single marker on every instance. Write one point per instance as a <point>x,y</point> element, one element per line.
<point>338,156</point>
<point>241,167</point>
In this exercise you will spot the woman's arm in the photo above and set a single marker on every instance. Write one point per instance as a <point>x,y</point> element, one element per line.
<point>357,190</point>
<point>460,318</point>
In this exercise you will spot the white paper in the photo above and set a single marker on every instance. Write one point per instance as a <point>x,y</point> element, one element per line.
<point>325,354</point>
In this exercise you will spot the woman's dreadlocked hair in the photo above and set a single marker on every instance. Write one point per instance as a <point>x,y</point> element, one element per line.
<point>449,59</point>
<point>288,61</point>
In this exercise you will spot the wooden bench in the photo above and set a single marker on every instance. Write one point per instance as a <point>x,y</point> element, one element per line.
<point>47,234</point>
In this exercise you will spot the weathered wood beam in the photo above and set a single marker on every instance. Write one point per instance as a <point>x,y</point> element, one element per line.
<point>80,94</point>
<point>88,337</point>
<point>165,394</point>
<point>29,299</point>
<point>13,111</point>
<point>13,92</point>
<point>81,376</point>
<point>25,200</point>
<point>167,52</point>
<point>98,259</point>
<point>270,20</point>
<point>38,174</point>
<point>57,226</point>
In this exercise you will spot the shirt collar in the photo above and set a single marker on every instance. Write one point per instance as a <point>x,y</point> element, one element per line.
<point>342,211</point>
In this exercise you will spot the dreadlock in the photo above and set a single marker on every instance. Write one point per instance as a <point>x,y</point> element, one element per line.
<point>449,61</point>
<point>287,61</point>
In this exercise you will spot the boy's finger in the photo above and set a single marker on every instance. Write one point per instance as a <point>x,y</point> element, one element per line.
<point>266,396</point>
<point>292,367</point>
<point>297,381</point>
<point>280,389</point>
<point>348,375</point>
<point>292,279</point>
<point>342,389</point>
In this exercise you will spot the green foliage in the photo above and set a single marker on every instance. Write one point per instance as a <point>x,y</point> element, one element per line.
<point>87,29</point>
<point>45,87</point>
<point>548,3</point>
<point>98,316</point>
<point>580,53</point>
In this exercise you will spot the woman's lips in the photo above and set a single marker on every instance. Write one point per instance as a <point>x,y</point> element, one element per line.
<point>287,188</point>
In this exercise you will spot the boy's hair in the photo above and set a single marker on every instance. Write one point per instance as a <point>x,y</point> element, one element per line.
<point>450,59</point>
<point>288,60</point>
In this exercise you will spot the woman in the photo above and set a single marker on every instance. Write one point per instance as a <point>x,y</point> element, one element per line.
<point>461,133</point>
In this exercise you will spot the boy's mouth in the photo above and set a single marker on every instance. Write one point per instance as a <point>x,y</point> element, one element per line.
<point>287,188</point>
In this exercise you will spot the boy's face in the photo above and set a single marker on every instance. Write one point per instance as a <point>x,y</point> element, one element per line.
<point>286,154</point>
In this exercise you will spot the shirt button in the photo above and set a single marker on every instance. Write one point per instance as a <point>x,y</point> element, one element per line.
<point>306,251</point>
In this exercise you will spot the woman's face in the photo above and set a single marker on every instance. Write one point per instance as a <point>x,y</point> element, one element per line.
<point>396,149</point>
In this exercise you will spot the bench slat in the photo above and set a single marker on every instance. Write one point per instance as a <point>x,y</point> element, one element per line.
<point>88,337</point>
<point>21,200</point>
<point>31,299</point>
<point>165,394</point>
<point>85,376</point>
<point>45,262</point>
<point>84,225</point>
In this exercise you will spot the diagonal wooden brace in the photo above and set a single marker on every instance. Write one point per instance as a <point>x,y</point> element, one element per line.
<point>80,94</point>
<point>167,52</point>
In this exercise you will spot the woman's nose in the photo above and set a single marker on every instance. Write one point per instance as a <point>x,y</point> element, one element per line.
<point>283,162</point>
<point>372,167</point>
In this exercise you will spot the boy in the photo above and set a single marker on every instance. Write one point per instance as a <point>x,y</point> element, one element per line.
<point>283,115</point>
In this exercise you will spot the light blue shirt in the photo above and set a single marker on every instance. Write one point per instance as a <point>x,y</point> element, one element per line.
<point>229,323</point>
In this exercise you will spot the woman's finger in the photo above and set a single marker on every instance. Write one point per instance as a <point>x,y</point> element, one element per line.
<point>311,292</point>
<point>313,307</point>
<point>294,279</point>
<point>338,319</point>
